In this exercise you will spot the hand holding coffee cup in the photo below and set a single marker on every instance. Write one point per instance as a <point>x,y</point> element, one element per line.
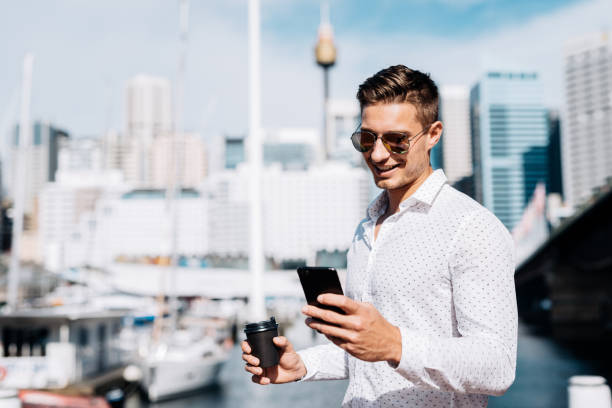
<point>269,357</point>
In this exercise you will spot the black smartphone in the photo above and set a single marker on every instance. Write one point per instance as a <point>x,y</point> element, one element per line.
<point>316,280</point>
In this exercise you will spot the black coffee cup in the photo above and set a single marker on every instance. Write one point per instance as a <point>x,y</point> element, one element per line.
<point>259,336</point>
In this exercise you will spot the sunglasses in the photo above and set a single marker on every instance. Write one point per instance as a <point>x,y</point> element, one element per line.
<point>394,142</point>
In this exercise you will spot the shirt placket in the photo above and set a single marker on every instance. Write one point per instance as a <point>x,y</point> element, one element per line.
<point>376,244</point>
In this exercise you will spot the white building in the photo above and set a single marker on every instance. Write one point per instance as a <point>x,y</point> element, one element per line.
<point>148,114</point>
<point>41,158</point>
<point>191,154</point>
<point>293,148</point>
<point>309,211</point>
<point>304,211</point>
<point>456,141</point>
<point>587,128</point>
<point>343,118</point>
<point>136,224</point>
<point>64,205</point>
<point>113,151</point>
<point>80,154</point>
<point>148,106</point>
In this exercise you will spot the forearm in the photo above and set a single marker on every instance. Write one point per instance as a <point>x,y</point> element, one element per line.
<point>325,362</point>
<point>479,365</point>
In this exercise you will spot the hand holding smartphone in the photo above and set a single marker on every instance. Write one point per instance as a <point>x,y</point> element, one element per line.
<point>317,280</point>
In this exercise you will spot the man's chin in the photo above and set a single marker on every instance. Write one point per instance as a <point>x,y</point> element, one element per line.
<point>383,184</point>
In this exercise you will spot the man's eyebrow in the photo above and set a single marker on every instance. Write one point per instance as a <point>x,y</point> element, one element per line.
<point>406,132</point>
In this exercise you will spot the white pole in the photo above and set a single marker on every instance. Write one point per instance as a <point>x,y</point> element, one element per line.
<point>19,180</point>
<point>256,260</point>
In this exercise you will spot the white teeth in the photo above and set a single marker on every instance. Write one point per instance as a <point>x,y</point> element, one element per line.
<point>383,169</point>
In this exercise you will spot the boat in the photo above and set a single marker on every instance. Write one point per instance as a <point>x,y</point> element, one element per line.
<point>43,399</point>
<point>184,362</point>
<point>53,348</point>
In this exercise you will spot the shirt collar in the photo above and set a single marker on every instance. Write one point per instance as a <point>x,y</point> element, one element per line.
<point>426,194</point>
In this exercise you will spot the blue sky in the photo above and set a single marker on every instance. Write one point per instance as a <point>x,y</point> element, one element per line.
<point>86,51</point>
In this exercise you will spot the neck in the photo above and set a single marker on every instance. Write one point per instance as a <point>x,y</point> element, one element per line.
<point>396,197</point>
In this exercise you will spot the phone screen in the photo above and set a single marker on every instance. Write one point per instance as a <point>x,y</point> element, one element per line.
<point>318,280</point>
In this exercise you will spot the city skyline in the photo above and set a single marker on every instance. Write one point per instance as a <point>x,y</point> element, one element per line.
<point>84,54</point>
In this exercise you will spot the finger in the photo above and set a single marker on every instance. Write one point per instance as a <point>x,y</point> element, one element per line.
<point>252,360</point>
<point>260,380</point>
<point>246,347</point>
<point>338,342</point>
<point>330,316</point>
<point>345,303</point>
<point>253,370</point>
<point>329,330</point>
<point>283,343</point>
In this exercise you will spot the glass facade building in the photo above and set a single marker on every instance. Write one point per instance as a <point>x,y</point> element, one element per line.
<point>509,141</point>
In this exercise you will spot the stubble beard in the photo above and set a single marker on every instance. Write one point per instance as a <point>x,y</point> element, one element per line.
<point>400,183</point>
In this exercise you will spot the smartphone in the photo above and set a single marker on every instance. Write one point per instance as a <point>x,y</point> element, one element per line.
<point>316,280</point>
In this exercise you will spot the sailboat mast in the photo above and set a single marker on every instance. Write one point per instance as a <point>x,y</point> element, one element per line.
<point>19,181</point>
<point>256,258</point>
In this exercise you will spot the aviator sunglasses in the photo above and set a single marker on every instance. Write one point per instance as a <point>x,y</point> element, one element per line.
<point>394,142</point>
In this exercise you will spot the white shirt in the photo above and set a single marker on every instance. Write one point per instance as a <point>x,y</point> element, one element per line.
<point>442,270</point>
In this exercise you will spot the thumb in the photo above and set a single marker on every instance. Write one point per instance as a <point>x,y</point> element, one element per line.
<point>283,343</point>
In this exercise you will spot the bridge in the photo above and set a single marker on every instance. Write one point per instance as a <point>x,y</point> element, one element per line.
<point>566,284</point>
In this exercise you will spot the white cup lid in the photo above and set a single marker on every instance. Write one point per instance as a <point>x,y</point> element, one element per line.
<point>588,380</point>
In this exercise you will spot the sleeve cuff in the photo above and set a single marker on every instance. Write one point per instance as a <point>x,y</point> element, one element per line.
<point>415,349</point>
<point>309,358</point>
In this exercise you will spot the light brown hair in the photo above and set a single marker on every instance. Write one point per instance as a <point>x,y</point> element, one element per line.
<point>398,84</point>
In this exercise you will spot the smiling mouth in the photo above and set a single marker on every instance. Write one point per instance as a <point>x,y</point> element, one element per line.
<point>385,169</point>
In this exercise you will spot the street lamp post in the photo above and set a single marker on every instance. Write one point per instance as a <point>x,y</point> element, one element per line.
<point>325,54</point>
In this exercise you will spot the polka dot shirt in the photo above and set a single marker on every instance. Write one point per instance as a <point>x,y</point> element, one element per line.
<point>442,270</point>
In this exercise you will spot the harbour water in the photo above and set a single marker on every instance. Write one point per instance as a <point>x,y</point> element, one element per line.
<point>543,368</point>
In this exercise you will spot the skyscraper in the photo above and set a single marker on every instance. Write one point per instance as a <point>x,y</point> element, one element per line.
<point>509,141</point>
<point>456,145</point>
<point>148,114</point>
<point>587,128</point>
<point>42,160</point>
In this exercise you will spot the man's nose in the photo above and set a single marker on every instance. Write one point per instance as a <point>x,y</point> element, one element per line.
<point>379,152</point>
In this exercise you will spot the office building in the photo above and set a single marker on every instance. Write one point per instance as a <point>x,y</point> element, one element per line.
<point>456,144</point>
<point>234,151</point>
<point>41,161</point>
<point>293,148</point>
<point>343,118</point>
<point>80,154</point>
<point>509,139</point>
<point>587,125</point>
<point>304,211</point>
<point>66,224</point>
<point>137,224</point>
<point>191,160</point>
<point>148,106</point>
<point>148,115</point>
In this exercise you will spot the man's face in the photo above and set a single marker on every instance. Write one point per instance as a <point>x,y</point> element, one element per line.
<point>394,171</point>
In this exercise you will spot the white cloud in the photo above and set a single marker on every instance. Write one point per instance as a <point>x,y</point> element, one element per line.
<point>537,45</point>
<point>76,62</point>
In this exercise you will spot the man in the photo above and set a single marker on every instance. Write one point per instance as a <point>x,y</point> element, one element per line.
<point>431,315</point>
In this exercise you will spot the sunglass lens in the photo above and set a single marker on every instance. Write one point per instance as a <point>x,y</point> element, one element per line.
<point>396,142</point>
<point>363,141</point>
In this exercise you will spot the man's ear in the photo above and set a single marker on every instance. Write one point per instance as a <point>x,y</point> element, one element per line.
<point>434,134</point>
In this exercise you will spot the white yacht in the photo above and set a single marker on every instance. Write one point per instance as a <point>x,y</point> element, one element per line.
<point>180,363</point>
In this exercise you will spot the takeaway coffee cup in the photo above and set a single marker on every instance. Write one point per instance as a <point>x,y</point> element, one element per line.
<point>259,336</point>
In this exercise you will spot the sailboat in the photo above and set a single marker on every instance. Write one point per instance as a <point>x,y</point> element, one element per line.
<point>179,359</point>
